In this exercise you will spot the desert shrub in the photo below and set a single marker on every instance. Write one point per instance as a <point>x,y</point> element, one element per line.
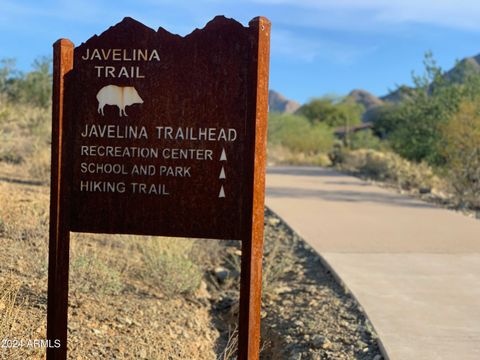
<point>24,130</point>
<point>389,167</point>
<point>461,150</point>
<point>274,270</point>
<point>167,265</point>
<point>297,134</point>
<point>293,139</point>
<point>365,140</point>
<point>282,155</point>
<point>91,274</point>
<point>34,87</point>
<point>39,164</point>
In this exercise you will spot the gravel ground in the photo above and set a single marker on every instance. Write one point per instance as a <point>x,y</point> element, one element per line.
<point>306,314</point>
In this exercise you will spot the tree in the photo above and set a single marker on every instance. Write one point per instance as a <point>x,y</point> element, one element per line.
<point>413,126</point>
<point>386,119</point>
<point>299,135</point>
<point>461,149</point>
<point>34,87</point>
<point>8,73</point>
<point>365,140</point>
<point>333,111</point>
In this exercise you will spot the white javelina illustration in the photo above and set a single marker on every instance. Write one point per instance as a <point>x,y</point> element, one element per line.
<point>120,96</point>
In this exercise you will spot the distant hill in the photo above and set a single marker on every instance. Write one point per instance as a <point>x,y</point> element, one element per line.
<point>469,65</point>
<point>458,74</point>
<point>279,103</point>
<point>401,93</point>
<point>369,101</point>
<point>363,97</point>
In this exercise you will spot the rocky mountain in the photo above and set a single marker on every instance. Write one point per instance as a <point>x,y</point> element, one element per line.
<point>470,65</point>
<point>279,103</point>
<point>363,97</point>
<point>458,74</point>
<point>465,67</point>
<point>395,96</point>
<point>369,101</point>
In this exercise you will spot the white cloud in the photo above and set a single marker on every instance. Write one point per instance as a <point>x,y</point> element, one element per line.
<point>373,14</point>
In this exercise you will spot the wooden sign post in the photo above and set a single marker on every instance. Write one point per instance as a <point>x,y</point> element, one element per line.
<point>157,134</point>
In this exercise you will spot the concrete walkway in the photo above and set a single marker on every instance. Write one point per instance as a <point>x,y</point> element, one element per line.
<point>414,268</point>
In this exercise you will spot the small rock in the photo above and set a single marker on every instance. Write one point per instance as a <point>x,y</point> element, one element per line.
<point>425,190</point>
<point>143,354</point>
<point>202,291</point>
<point>221,273</point>
<point>318,341</point>
<point>273,221</point>
<point>327,345</point>
<point>361,344</point>
<point>298,323</point>
<point>282,289</point>
<point>378,357</point>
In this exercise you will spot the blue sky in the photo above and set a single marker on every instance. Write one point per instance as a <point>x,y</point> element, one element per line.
<point>318,46</point>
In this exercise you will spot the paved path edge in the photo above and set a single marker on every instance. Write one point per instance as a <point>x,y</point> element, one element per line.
<point>342,283</point>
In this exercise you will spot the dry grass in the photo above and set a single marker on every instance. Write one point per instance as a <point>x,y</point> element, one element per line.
<point>390,167</point>
<point>279,155</point>
<point>114,310</point>
<point>273,269</point>
<point>38,166</point>
<point>24,130</point>
<point>9,288</point>
<point>19,322</point>
<point>168,265</point>
<point>230,351</point>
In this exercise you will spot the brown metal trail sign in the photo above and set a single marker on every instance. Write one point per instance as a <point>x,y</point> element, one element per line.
<point>157,134</point>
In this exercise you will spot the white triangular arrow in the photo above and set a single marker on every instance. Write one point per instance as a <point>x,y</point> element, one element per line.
<point>222,174</point>
<point>222,193</point>
<point>223,157</point>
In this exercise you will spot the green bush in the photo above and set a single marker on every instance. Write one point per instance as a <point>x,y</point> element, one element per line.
<point>413,127</point>
<point>34,87</point>
<point>298,135</point>
<point>365,140</point>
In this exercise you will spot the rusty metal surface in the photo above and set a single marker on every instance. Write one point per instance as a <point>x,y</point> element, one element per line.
<point>58,256</point>
<point>252,246</point>
<point>202,81</point>
<point>132,88</point>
